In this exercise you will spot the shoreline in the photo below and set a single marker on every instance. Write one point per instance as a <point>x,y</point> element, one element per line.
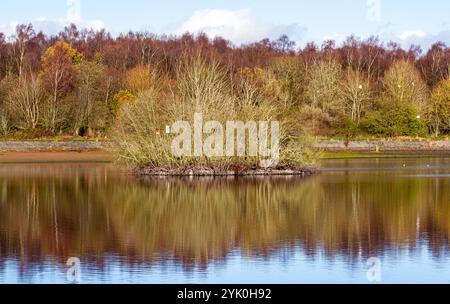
<point>43,152</point>
<point>53,146</point>
<point>55,157</point>
<point>231,171</point>
<point>380,146</point>
<point>376,146</point>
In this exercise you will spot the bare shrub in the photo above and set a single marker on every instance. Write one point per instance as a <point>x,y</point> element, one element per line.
<point>202,88</point>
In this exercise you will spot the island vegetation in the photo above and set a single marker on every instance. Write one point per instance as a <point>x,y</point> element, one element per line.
<point>82,83</point>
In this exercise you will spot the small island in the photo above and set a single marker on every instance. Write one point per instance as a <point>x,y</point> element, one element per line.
<point>231,171</point>
<point>209,126</point>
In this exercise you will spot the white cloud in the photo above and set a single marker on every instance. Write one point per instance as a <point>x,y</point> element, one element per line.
<point>404,39</point>
<point>51,27</point>
<point>54,26</point>
<point>8,28</point>
<point>339,38</point>
<point>238,26</point>
<point>417,37</point>
<point>408,34</point>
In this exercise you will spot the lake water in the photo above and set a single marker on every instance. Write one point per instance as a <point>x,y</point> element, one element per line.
<point>321,229</point>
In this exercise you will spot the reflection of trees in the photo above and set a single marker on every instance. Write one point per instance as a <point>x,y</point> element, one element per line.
<point>198,222</point>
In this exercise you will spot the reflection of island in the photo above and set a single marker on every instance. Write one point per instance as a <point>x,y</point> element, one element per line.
<point>91,212</point>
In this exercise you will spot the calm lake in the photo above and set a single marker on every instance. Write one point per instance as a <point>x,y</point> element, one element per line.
<point>321,229</point>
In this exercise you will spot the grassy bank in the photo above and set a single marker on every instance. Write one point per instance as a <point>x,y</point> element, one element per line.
<point>104,156</point>
<point>55,157</point>
<point>356,155</point>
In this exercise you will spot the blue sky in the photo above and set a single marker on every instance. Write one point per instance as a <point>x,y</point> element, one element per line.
<point>420,22</point>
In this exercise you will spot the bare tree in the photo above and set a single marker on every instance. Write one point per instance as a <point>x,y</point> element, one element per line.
<point>404,84</point>
<point>323,88</point>
<point>25,101</point>
<point>356,94</point>
<point>89,102</point>
<point>58,74</point>
<point>438,109</point>
<point>24,33</point>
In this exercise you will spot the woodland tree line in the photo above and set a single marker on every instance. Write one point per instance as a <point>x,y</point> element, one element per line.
<point>76,82</point>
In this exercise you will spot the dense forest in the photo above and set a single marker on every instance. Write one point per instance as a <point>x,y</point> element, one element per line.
<point>75,83</point>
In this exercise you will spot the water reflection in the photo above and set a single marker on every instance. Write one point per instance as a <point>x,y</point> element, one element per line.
<point>176,230</point>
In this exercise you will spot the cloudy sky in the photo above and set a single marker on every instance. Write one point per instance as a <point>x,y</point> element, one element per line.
<point>419,22</point>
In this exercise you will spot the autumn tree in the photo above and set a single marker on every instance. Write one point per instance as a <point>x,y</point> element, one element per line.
<point>365,57</point>
<point>400,106</point>
<point>331,86</point>
<point>3,56</point>
<point>4,117</point>
<point>4,122</point>
<point>404,84</point>
<point>89,97</point>
<point>59,76</point>
<point>291,78</point>
<point>121,99</point>
<point>25,102</point>
<point>283,81</point>
<point>356,93</point>
<point>323,85</point>
<point>24,33</point>
<point>438,109</point>
<point>322,94</point>
<point>139,79</point>
<point>71,35</point>
<point>435,65</point>
<point>284,45</point>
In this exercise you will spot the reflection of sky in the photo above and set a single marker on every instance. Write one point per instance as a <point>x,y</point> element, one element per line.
<point>400,266</point>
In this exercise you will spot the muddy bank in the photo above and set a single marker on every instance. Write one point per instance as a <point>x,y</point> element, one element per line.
<point>232,171</point>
